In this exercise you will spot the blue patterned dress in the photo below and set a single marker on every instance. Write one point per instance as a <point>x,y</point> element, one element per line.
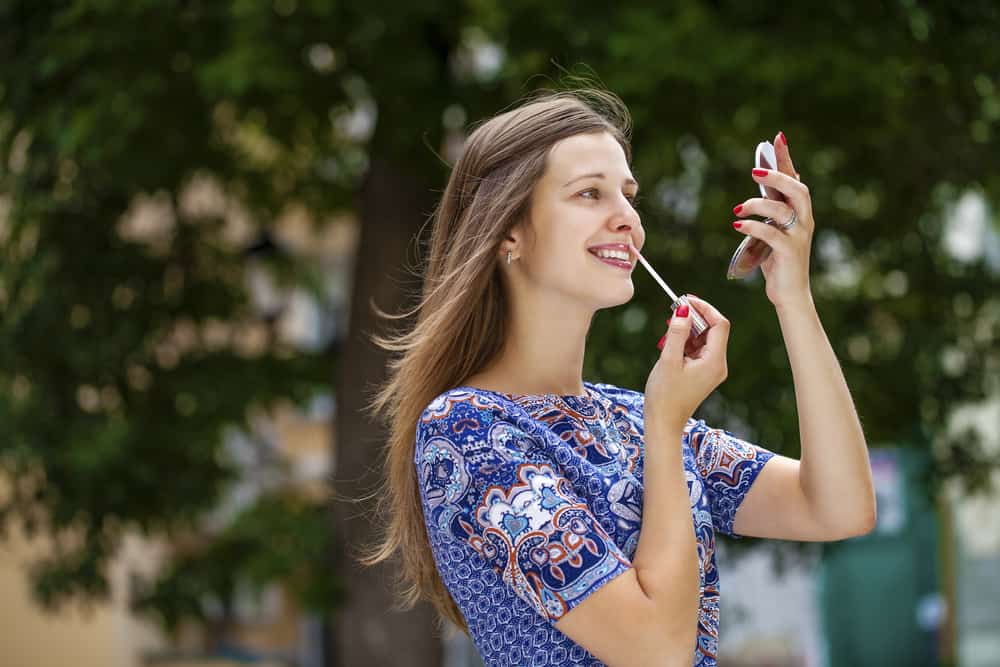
<point>532,503</point>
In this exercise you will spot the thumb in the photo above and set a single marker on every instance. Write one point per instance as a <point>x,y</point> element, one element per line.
<point>677,334</point>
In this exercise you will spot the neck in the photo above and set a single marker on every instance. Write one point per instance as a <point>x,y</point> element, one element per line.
<point>544,346</point>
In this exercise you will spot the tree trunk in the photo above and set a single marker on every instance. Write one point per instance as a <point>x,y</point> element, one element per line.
<point>393,206</point>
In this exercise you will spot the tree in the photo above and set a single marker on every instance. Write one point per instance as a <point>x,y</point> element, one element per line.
<point>128,352</point>
<point>344,107</point>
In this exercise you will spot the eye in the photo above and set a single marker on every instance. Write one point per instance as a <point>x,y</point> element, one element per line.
<point>633,199</point>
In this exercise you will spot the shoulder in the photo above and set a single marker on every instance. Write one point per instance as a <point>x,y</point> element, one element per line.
<point>461,400</point>
<point>715,446</point>
<point>478,431</point>
<point>698,429</point>
<point>464,412</point>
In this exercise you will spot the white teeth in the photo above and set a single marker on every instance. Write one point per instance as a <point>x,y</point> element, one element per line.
<point>613,254</point>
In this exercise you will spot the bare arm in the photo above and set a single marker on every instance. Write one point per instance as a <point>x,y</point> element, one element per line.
<point>666,558</point>
<point>834,470</point>
<point>828,494</point>
<point>649,615</point>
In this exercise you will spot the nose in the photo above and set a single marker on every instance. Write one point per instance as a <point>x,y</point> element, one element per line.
<point>628,220</point>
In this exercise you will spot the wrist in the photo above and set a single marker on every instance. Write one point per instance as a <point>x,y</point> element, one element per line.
<point>798,304</point>
<point>659,422</point>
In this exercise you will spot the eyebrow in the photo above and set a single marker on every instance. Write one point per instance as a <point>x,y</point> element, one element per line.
<point>599,174</point>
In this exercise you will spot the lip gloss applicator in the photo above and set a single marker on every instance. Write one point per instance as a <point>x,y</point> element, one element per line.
<point>698,324</point>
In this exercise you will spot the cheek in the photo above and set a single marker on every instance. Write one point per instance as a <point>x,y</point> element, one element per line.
<point>568,238</point>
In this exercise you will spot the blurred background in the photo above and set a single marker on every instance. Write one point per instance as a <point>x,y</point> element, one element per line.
<point>201,200</point>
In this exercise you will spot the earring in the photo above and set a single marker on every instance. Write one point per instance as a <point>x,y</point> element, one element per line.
<point>508,258</point>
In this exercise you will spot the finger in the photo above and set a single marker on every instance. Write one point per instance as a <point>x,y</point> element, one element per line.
<point>794,191</point>
<point>677,335</point>
<point>695,342</point>
<point>694,346</point>
<point>714,340</point>
<point>769,234</point>
<point>706,310</point>
<point>718,326</point>
<point>766,208</point>
<point>784,156</point>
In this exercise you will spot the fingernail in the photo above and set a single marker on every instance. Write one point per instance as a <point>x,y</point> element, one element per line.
<point>760,172</point>
<point>659,346</point>
<point>682,310</point>
<point>783,139</point>
<point>737,209</point>
<point>668,320</point>
<point>737,225</point>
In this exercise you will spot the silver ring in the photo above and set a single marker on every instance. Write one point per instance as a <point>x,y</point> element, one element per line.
<point>791,221</point>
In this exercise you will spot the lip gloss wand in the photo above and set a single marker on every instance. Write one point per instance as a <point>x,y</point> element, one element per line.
<point>698,324</point>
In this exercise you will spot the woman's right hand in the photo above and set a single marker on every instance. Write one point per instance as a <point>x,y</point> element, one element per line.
<point>687,372</point>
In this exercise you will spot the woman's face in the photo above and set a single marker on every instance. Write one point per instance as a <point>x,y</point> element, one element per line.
<point>583,200</point>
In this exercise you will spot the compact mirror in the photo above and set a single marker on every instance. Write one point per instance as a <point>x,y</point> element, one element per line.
<point>752,252</point>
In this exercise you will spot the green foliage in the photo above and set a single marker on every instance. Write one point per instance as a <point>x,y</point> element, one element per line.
<point>112,399</point>
<point>891,110</point>
<point>890,124</point>
<point>280,538</point>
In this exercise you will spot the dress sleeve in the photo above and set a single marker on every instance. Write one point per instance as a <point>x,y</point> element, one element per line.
<point>729,467</point>
<point>485,482</point>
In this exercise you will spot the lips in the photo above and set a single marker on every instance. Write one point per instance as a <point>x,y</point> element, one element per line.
<point>621,247</point>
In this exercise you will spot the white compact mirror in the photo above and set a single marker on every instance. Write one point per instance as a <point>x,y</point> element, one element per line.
<point>765,158</point>
<point>752,252</point>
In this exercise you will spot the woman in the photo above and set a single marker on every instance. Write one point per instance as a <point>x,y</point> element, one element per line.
<point>560,521</point>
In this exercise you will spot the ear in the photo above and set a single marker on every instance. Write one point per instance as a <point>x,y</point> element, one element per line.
<point>513,240</point>
<point>519,235</point>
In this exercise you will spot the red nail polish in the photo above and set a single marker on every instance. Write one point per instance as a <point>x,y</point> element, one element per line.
<point>737,209</point>
<point>682,310</point>
<point>737,225</point>
<point>760,172</point>
<point>659,346</point>
<point>783,139</point>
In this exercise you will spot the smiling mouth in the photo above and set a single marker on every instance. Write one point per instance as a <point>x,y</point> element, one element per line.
<point>614,261</point>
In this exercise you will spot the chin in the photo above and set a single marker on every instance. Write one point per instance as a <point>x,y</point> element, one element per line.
<point>616,295</point>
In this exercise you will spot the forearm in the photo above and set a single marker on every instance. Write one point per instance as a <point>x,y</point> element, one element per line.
<point>835,473</point>
<point>666,557</point>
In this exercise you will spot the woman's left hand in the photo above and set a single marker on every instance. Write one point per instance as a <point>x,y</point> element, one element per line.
<point>786,271</point>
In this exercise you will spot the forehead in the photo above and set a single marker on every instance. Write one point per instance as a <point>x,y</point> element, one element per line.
<point>583,153</point>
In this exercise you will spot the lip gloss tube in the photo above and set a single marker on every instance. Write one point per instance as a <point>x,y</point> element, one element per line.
<point>698,323</point>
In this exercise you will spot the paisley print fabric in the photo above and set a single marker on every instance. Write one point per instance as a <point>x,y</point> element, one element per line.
<point>532,503</point>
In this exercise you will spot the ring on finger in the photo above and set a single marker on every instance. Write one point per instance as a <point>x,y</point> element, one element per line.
<point>791,221</point>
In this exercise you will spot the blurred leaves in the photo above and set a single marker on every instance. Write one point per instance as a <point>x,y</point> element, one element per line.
<point>112,423</point>
<point>128,346</point>
<point>883,110</point>
<point>281,538</point>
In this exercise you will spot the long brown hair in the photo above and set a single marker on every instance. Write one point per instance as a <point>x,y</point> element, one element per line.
<point>460,322</point>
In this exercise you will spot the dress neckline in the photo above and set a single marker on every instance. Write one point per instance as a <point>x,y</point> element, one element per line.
<point>586,397</point>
